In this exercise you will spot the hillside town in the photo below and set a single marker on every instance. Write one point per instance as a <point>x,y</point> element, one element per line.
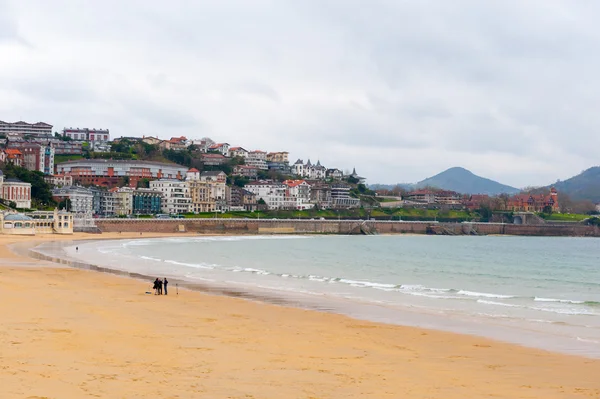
<point>83,169</point>
<point>89,173</point>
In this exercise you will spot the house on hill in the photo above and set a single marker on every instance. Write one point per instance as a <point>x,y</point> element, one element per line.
<point>534,202</point>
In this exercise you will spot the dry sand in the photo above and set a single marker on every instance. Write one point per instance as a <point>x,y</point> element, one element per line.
<point>68,333</point>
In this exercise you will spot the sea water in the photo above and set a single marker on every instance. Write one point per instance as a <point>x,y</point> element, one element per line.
<point>535,291</point>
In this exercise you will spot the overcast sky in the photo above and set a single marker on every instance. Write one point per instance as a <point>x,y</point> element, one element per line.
<point>399,89</point>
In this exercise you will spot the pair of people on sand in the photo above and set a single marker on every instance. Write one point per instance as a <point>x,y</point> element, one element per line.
<point>159,286</point>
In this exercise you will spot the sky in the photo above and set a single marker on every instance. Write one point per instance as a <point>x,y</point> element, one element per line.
<point>401,90</point>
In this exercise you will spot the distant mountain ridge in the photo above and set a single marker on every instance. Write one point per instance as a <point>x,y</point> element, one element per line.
<point>466,182</point>
<point>584,186</point>
<point>460,180</point>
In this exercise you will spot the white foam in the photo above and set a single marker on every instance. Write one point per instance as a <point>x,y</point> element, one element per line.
<point>151,258</point>
<point>412,287</point>
<point>565,311</point>
<point>255,271</point>
<point>497,303</point>
<point>194,265</point>
<point>358,283</point>
<point>424,294</point>
<point>557,300</point>
<point>591,341</point>
<point>483,294</point>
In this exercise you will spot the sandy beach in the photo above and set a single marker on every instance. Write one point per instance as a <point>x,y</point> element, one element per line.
<point>70,333</point>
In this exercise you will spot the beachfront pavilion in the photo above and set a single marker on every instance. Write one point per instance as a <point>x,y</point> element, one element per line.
<point>17,224</point>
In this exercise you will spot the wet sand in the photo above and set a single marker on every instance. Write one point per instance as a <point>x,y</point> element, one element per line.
<point>70,333</point>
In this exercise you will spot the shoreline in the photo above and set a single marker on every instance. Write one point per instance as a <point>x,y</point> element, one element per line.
<point>357,309</point>
<point>373,359</point>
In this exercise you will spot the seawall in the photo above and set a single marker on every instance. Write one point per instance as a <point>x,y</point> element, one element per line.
<point>292,226</point>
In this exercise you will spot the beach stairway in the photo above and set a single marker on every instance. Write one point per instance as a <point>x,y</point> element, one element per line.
<point>367,230</point>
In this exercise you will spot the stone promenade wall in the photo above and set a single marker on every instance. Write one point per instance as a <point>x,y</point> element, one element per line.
<point>288,226</point>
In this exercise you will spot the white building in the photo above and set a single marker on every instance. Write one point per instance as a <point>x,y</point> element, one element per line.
<point>257,159</point>
<point>238,152</point>
<point>308,170</point>
<point>334,174</point>
<point>25,129</point>
<point>176,195</point>
<point>86,134</point>
<point>223,148</point>
<point>100,146</point>
<point>77,199</point>
<point>274,194</point>
<point>297,195</point>
<point>203,144</point>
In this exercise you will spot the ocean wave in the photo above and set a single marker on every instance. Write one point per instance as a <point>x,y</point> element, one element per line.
<point>194,265</point>
<point>151,258</point>
<point>359,283</point>
<point>565,311</point>
<point>252,270</point>
<point>497,303</point>
<point>537,299</point>
<point>483,294</point>
<point>426,295</point>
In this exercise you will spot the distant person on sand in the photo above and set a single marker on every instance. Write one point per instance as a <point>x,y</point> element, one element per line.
<point>165,282</point>
<point>156,283</point>
<point>159,282</point>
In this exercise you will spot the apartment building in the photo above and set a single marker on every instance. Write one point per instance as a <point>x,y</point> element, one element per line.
<point>257,159</point>
<point>26,129</point>
<point>272,193</point>
<point>87,134</point>
<point>76,199</point>
<point>175,195</point>
<point>108,172</point>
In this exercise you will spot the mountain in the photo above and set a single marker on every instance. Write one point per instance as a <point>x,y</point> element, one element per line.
<point>463,181</point>
<point>584,186</point>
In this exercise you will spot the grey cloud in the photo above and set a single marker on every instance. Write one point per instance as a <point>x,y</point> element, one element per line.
<point>429,83</point>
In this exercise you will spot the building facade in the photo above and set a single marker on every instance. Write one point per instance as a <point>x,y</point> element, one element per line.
<point>272,193</point>
<point>320,194</point>
<point>26,129</point>
<point>146,201</point>
<point>86,134</point>
<point>175,195</point>
<point>238,152</point>
<point>257,159</point>
<point>534,202</point>
<point>108,172</point>
<point>297,195</point>
<point>278,157</point>
<point>59,180</point>
<point>37,157</point>
<point>340,197</point>
<point>76,199</point>
<point>240,199</point>
<point>15,190</point>
<point>13,155</point>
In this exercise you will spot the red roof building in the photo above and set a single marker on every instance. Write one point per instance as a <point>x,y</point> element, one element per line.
<point>534,202</point>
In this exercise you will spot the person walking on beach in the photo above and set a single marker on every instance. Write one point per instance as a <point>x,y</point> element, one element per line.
<point>165,282</point>
<point>159,283</point>
<point>156,283</point>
